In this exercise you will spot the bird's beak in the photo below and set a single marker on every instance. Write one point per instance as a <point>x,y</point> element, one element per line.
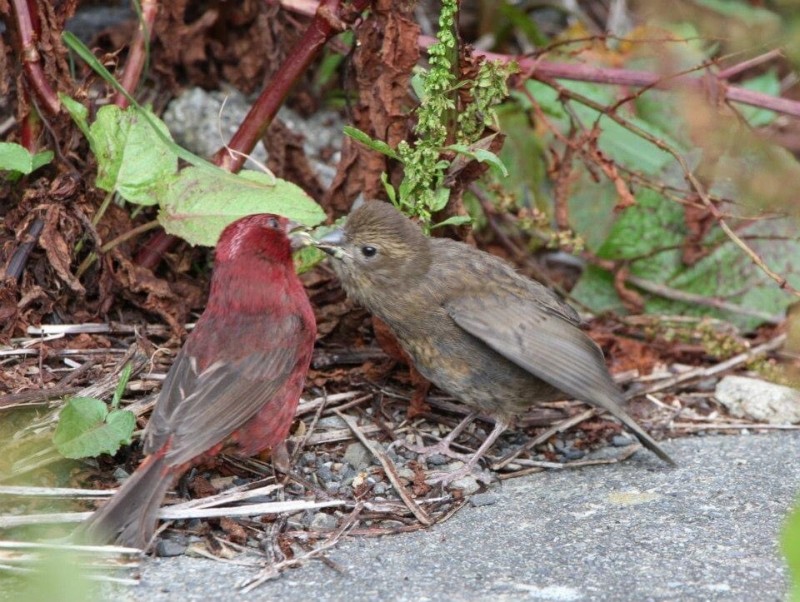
<point>298,237</point>
<point>293,226</point>
<point>332,243</point>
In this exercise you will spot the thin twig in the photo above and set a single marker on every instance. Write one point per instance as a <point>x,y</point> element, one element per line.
<point>273,571</point>
<point>556,428</point>
<point>704,372</point>
<point>692,179</point>
<point>390,470</point>
<point>170,513</point>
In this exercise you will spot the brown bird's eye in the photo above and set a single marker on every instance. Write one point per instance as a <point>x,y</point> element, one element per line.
<point>368,251</point>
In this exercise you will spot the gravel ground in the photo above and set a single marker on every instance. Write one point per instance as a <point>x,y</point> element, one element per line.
<point>635,531</point>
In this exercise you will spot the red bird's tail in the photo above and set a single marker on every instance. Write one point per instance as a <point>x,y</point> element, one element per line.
<point>130,517</point>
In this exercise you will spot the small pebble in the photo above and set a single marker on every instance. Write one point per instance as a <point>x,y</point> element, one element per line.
<point>379,489</point>
<point>436,460</point>
<point>324,473</point>
<point>483,499</point>
<point>621,441</point>
<point>570,453</point>
<point>467,484</point>
<point>405,473</point>
<point>323,522</point>
<point>706,384</point>
<point>120,474</point>
<point>167,548</point>
<point>357,456</point>
<point>331,422</point>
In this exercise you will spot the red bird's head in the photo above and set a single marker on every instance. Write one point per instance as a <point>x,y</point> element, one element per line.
<point>262,235</point>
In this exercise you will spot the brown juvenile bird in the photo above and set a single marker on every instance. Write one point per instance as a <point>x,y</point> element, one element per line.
<point>474,327</point>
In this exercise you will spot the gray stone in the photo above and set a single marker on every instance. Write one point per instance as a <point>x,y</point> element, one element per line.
<point>324,473</point>
<point>405,473</point>
<point>168,547</point>
<point>198,120</point>
<point>760,400</point>
<point>357,456</point>
<point>468,484</point>
<point>622,440</point>
<point>436,460</point>
<point>323,522</point>
<point>331,422</point>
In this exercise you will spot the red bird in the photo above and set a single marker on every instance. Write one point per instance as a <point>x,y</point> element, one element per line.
<point>234,386</point>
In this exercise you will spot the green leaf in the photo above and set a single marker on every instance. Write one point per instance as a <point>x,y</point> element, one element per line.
<point>306,258</point>
<point>87,429</point>
<point>440,198</point>
<point>198,205</point>
<point>78,112</point>
<point>482,156</point>
<point>366,140</point>
<point>16,158</point>
<point>650,235</point>
<point>387,186</point>
<point>131,158</point>
<point>790,546</point>
<point>124,376</point>
<point>454,220</point>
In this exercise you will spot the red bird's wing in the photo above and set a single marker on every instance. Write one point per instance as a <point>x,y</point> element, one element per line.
<point>200,410</point>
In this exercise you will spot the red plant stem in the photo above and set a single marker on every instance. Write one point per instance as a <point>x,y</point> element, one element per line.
<point>325,24</point>
<point>623,77</point>
<point>323,27</point>
<point>138,52</point>
<point>536,69</point>
<point>31,64</point>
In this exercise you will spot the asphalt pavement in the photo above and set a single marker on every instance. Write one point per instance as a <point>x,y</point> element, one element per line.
<point>706,530</point>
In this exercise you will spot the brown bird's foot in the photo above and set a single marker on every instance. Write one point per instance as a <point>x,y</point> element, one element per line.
<point>445,478</point>
<point>443,446</point>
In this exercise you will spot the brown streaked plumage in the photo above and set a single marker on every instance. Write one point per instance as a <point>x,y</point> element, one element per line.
<point>497,341</point>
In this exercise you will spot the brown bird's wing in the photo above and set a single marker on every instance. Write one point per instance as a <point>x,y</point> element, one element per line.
<point>548,347</point>
<point>222,399</point>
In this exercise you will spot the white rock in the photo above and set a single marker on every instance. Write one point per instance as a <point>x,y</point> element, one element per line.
<point>759,400</point>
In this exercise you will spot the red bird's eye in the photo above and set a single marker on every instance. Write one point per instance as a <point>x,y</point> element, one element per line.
<point>273,223</point>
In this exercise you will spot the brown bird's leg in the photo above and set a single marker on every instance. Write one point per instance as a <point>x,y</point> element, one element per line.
<point>449,477</point>
<point>443,446</point>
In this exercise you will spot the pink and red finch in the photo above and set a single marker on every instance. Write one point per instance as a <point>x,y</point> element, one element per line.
<point>235,384</point>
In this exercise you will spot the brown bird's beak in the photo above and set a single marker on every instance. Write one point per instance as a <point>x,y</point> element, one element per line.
<point>332,243</point>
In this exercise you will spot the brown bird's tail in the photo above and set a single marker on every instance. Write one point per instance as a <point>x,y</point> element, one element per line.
<point>130,517</point>
<point>614,407</point>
